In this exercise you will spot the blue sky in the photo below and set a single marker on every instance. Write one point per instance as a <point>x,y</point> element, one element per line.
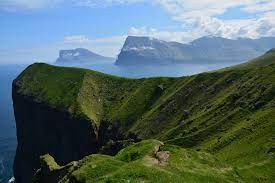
<point>34,30</point>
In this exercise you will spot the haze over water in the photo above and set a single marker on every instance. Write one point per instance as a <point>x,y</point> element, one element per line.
<point>173,70</point>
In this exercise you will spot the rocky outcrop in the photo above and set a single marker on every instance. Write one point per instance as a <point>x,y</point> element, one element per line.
<point>163,157</point>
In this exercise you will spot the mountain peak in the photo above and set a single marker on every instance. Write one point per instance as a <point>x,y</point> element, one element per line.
<point>140,40</point>
<point>209,39</point>
<point>130,38</point>
<point>143,50</point>
<point>75,52</point>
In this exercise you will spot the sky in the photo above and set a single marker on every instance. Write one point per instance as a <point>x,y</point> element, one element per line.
<point>35,30</point>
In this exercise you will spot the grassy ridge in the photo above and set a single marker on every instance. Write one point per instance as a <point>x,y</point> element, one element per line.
<point>228,113</point>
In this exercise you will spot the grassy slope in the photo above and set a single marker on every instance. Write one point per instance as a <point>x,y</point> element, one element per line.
<point>137,163</point>
<point>92,94</point>
<point>231,111</point>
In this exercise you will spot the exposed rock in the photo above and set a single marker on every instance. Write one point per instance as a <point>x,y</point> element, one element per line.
<point>157,147</point>
<point>163,157</point>
<point>161,87</point>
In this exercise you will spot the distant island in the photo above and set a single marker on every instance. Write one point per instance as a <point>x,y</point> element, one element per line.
<point>138,51</point>
<point>205,50</point>
<point>80,55</point>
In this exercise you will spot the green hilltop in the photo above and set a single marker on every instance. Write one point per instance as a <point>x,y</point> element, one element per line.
<point>217,126</point>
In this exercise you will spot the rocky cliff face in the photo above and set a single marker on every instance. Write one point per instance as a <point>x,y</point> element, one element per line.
<point>146,50</point>
<point>67,113</point>
<point>53,122</point>
<point>42,129</point>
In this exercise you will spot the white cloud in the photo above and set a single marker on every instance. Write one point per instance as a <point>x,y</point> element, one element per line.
<point>268,5</point>
<point>107,46</point>
<point>201,17</point>
<point>111,40</point>
<point>102,3</point>
<point>76,39</point>
<point>198,18</point>
<point>163,35</point>
<point>12,5</point>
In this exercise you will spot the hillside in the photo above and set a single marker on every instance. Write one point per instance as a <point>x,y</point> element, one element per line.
<point>205,50</point>
<point>147,161</point>
<point>70,113</point>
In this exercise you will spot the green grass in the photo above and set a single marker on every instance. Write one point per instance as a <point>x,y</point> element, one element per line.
<point>137,163</point>
<point>231,118</point>
<point>47,161</point>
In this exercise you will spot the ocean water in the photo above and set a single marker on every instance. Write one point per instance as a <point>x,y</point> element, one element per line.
<point>7,122</point>
<point>175,70</point>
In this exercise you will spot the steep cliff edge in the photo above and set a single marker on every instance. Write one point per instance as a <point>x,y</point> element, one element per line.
<point>69,113</point>
<point>42,128</point>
